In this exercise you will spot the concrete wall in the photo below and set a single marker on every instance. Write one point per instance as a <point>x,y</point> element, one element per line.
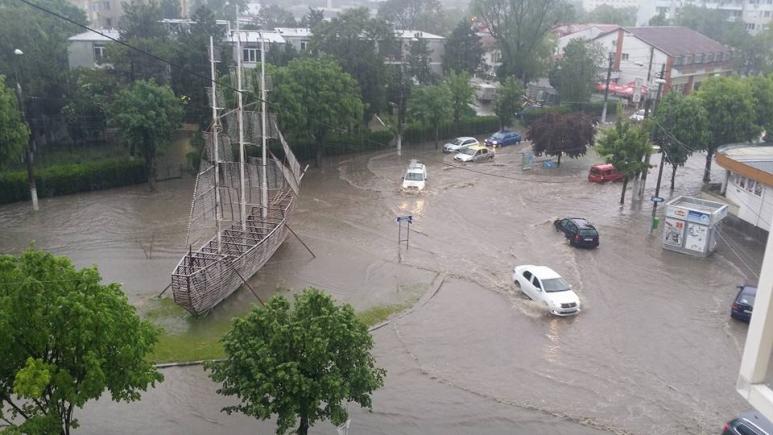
<point>756,210</point>
<point>81,54</point>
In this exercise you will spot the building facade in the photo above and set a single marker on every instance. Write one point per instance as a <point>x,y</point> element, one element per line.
<point>755,14</point>
<point>87,49</point>
<point>103,14</point>
<point>748,181</point>
<point>685,57</point>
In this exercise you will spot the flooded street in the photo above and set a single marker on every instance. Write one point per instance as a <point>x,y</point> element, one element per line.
<point>654,350</point>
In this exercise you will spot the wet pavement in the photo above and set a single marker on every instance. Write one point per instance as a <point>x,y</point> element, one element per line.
<point>654,350</point>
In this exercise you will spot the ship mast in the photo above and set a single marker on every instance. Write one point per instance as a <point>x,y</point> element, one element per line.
<point>240,115</point>
<point>215,132</point>
<point>263,185</point>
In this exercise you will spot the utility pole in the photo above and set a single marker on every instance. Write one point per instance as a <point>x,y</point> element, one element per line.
<point>30,148</point>
<point>606,90</point>
<point>662,156</point>
<point>240,116</point>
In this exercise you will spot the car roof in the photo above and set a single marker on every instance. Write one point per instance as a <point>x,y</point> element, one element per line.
<point>757,419</point>
<point>463,138</point>
<point>603,166</point>
<point>542,272</point>
<point>477,147</point>
<point>582,222</point>
<point>748,289</point>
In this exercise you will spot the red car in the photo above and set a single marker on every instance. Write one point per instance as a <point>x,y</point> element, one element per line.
<point>603,172</point>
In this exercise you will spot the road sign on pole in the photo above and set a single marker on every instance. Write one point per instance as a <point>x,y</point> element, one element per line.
<point>408,221</point>
<point>656,199</point>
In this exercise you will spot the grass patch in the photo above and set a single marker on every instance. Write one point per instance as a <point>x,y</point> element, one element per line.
<point>375,315</point>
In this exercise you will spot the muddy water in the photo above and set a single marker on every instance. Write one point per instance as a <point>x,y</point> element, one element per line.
<point>653,351</point>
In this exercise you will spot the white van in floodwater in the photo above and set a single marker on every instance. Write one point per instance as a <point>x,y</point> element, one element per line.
<point>415,178</point>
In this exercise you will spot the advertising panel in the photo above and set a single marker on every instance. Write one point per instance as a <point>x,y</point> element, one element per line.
<point>696,237</point>
<point>673,232</point>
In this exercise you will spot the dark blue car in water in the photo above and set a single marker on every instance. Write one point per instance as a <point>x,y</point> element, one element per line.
<point>502,138</point>
<point>743,303</point>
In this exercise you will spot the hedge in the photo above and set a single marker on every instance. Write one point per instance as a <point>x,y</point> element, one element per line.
<point>593,108</point>
<point>342,144</point>
<point>72,178</point>
<point>466,127</point>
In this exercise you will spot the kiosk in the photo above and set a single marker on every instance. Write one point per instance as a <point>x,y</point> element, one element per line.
<point>691,225</point>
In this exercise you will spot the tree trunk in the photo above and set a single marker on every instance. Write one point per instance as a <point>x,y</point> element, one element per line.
<point>707,171</point>
<point>673,175</point>
<point>436,136</point>
<point>622,195</point>
<point>319,156</point>
<point>303,428</point>
<point>150,167</point>
<point>558,164</point>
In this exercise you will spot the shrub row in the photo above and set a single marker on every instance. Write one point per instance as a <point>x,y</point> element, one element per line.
<point>593,108</point>
<point>71,178</point>
<point>466,127</point>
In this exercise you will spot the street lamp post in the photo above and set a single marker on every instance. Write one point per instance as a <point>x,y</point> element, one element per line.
<point>29,152</point>
<point>660,81</point>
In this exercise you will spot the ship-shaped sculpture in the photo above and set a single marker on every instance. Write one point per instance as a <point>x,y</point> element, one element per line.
<point>240,206</point>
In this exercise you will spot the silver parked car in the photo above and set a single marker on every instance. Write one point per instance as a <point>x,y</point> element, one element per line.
<point>460,142</point>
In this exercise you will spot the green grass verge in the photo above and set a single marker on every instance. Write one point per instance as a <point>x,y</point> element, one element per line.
<point>202,342</point>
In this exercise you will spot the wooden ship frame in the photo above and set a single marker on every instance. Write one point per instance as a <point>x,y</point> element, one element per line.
<point>246,202</point>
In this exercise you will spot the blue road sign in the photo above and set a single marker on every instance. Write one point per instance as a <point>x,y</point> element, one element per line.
<point>408,219</point>
<point>656,199</point>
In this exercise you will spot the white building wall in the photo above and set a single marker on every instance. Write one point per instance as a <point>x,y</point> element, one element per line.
<point>755,202</point>
<point>757,14</point>
<point>634,58</point>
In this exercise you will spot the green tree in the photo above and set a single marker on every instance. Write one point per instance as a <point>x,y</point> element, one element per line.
<point>141,27</point>
<point>606,14</point>
<point>66,339</point>
<point>713,23</point>
<point>146,115</point>
<point>430,106</point>
<point>680,126</point>
<point>576,71</point>
<point>522,31</point>
<point>418,61</point>
<point>312,17</point>
<point>729,103</point>
<point>508,101</point>
<point>425,15</point>
<point>754,53</point>
<point>303,361</point>
<point>556,134</point>
<point>461,94</point>
<point>14,133</point>
<point>313,96</point>
<point>762,90</point>
<point>464,52</point>
<point>399,88</point>
<point>271,16</point>
<point>625,146</point>
<point>659,20</point>
<point>43,67</point>
<point>360,44</point>
<point>87,96</point>
<point>280,54</point>
<point>170,8</point>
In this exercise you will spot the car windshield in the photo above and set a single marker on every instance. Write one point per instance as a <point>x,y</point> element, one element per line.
<point>456,141</point>
<point>747,296</point>
<point>468,151</point>
<point>555,285</point>
<point>414,176</point>
<point>498,135</point>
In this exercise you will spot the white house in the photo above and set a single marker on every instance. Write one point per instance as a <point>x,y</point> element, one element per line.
<point>686,57</point>
<point>87,49</point>
<point>298,37</point>
<point>250,44</point>
<point>436,45</point>
<point>748,181</point>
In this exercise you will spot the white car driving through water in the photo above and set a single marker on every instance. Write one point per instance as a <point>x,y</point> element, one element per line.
<point>415,178</point>
<point>543,284</point>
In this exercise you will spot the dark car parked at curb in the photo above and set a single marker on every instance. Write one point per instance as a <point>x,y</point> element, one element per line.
<point>579,231</point>
<point>748,423</point>
<point>743,304</point>
<point>503,138</point>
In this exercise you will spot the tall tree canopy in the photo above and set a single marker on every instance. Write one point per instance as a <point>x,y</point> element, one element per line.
<point>625,146</point>
<point>461,94</point>
<point>556,134</point>
<point>762,91</point>
<point>303,361</point>
<point>680,126</point>
<point>146,115</point>
<point>463,49</point>
<point>360,44</point>
<point>574,74</point>
<point>141,27</point>
<point>425,15</point>
<point>418,59</point>
<point>312,17</point>
<point>315,98</point>
<point>14,133</point>
<point>66,339</point>
<point>508,101</point>
<point>522,31</point>
<point>713,23</point>
<point>271,16</point>
<point>43,39</point>
<point>606,14</point>
<point>729,104</point>
<point>431,107</point>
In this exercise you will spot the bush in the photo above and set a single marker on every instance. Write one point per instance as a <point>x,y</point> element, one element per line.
<point>341,144</point>
<point>467,127</point>
<point>72,178</point>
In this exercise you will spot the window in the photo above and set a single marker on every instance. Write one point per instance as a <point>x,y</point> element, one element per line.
<point>250,55</point>
<point>536,283</point>
<point>767,14</point>
<point>758,189</point>
<point>625,56</point>
<point>304,44</point>
<point>109,22</point>
<point>99,54</point>
<point>710,58</point>
<point>699,58</point>
<point>741,181</point>
<point>750,26</point>
<point>105,6</point>
<point>679,60</point>
<point>750,185</point>
<point>688,59</point>
<point>527,275</point>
